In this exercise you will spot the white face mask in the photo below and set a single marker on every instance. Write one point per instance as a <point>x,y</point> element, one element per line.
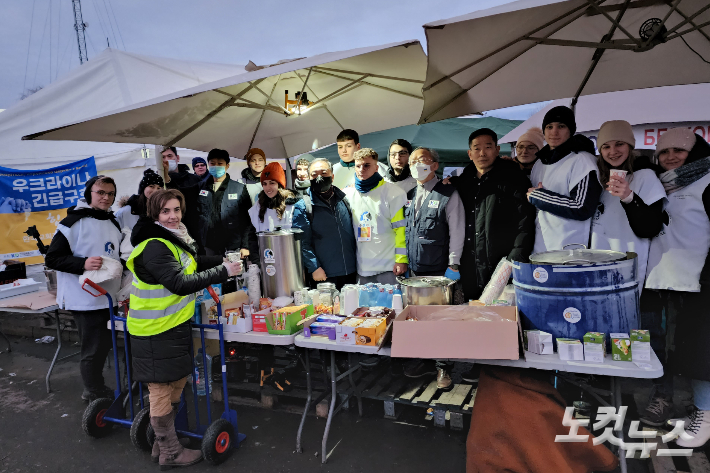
<point>172,165</point>
<point>420,171</point>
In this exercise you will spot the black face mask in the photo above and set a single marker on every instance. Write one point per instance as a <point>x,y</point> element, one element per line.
<point>322,184</point>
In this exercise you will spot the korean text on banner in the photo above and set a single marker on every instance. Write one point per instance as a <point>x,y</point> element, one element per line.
<point>38,198</point>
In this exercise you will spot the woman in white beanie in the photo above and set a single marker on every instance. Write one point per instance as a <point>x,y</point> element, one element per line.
<point>630,213</point>
<point>527,147</point>
<point>679,270</point>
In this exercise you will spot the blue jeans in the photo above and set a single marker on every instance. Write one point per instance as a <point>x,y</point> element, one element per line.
<point>701,394</point>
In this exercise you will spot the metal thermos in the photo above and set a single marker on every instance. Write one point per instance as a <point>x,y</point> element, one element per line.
<point>281,262</point>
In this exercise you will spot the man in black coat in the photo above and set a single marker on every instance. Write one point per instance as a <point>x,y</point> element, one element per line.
<point>178,176</point>
<point>500,222</point>
<point>217,211</point>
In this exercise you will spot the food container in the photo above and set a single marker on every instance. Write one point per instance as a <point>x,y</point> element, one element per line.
<point>571,292</point>
<point>427,290</point>
<point>51,276</point>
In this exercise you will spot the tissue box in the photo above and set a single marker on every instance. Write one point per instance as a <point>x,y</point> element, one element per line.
<point>570,349</point>
<point>640,345</point>
<point>594,347</point>
<point>620,346</point>
<point>537,341</point>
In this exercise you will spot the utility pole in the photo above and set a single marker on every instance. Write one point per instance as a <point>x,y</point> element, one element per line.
<point>80,26</point>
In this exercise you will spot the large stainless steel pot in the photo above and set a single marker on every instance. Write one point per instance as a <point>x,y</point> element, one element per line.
<point>427,290</point>
<point>281,262</point>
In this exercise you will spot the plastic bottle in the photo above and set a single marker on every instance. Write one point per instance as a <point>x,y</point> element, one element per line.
<point>363,296</point>
<point>382,295</point>
<point>200,373</point>
<point>373,294</point>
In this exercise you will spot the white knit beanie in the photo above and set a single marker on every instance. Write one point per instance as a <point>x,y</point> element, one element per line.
<point>681,138</point>
<point>616,130</point>
<point>534,136</point>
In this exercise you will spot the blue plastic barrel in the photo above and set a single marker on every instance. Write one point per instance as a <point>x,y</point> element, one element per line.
<point>571,300</point>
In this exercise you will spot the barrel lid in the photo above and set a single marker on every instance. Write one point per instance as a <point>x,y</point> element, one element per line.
<point>577,256</point>
<point>279,232</point>
<point>426,281</point>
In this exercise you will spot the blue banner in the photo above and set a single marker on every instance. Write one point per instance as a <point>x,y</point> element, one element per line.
<point>46,189</point>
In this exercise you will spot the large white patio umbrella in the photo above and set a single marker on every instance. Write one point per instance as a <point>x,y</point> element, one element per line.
<point>366,89</point>
<point>537,50</point>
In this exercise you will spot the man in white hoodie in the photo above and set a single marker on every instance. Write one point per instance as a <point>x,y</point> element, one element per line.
<point>88,234</point>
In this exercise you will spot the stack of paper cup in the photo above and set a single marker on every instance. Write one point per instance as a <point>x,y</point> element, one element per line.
<point>253,284</point>
<point>397,302</point>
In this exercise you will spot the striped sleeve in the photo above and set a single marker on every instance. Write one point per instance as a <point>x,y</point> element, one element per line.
<point>580,205</point>
<point>400,238</point>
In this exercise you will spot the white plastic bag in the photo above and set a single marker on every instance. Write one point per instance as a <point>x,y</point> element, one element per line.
<point>498,281</point>
<point>110,269</point>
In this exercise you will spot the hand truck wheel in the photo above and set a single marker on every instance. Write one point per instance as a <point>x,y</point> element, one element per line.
<point>218,441</point>
<point>139,430</point>
<point>93,421</point>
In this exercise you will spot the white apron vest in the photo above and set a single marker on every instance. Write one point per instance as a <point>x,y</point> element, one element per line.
<point>553,232</point>
<point>271,219</point>
<point>611,229</point>
<point>88,237</point>
<point>678,253</point>
<point>376,210</point>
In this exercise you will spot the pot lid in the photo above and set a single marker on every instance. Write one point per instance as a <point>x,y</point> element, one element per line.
<point>577,256</point>
<point>279,232</point>
<point>426,281</point>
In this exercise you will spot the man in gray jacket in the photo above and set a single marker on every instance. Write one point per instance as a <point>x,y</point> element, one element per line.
<point>435,236</point>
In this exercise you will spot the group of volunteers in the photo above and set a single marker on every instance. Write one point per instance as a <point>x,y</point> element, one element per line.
<point>362,221</point>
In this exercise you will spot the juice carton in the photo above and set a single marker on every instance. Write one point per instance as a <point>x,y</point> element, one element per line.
<point>594,347</point>
<point>620,346</point>
<point>640,345</point>
<point>570,349</point>
<point>537,341</point>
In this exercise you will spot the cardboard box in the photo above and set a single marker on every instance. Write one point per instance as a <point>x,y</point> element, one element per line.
<point>570,349</point>
<point>285,321</point>
<point>345,335</point>
<point>258,320</point>
<point>457,339</point>
<point>620,346</point>
<point>537,341</point>
<point>371,335</point>
<point>640,345</point>
<point>209,311</point>
<point>594,347</point>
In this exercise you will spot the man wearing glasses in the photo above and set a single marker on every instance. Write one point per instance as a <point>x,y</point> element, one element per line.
<point>398,172</point>
<point>435,232</point>
<point>88,235</point>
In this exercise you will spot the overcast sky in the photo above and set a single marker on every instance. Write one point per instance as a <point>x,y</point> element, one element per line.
<point>39,42</point>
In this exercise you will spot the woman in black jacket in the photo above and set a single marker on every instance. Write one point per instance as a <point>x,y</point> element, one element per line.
<point>167,274</point>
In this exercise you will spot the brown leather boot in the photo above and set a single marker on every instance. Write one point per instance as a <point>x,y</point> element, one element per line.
<point>172,454</point>
<point>155,454</point>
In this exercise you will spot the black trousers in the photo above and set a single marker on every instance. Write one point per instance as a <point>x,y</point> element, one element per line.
<point>96,343</point>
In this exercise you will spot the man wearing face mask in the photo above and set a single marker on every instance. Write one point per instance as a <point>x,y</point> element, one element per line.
<point>221,221</point>
<point>435,235</point>
<point>324,215</point>
<point>177,176</point>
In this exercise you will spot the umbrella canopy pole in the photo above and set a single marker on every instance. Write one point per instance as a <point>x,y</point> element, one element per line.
<point>598,54</point>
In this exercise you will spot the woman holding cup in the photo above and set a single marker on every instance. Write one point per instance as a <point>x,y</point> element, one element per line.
<point>630,212</point>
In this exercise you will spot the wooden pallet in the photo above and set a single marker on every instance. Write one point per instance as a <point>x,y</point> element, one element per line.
<point>697,463</point>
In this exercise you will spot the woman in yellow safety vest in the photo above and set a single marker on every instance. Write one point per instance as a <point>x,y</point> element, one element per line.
<point>166,275</point>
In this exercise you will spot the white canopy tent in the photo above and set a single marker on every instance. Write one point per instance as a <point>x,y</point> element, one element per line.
<point>114,79</point>
<point>366,89</point>
<point>649,111</point>
<point>536,50</point>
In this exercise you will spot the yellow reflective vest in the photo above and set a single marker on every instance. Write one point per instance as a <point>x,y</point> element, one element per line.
<point>153,308</point>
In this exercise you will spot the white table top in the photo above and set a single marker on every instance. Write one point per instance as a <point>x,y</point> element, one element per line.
<point>17,310</point>
<point>323,343</point>
<point>261,338</point>
<point>624,369</point>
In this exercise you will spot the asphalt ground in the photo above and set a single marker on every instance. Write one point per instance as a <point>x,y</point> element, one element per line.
<point>42,432</point>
